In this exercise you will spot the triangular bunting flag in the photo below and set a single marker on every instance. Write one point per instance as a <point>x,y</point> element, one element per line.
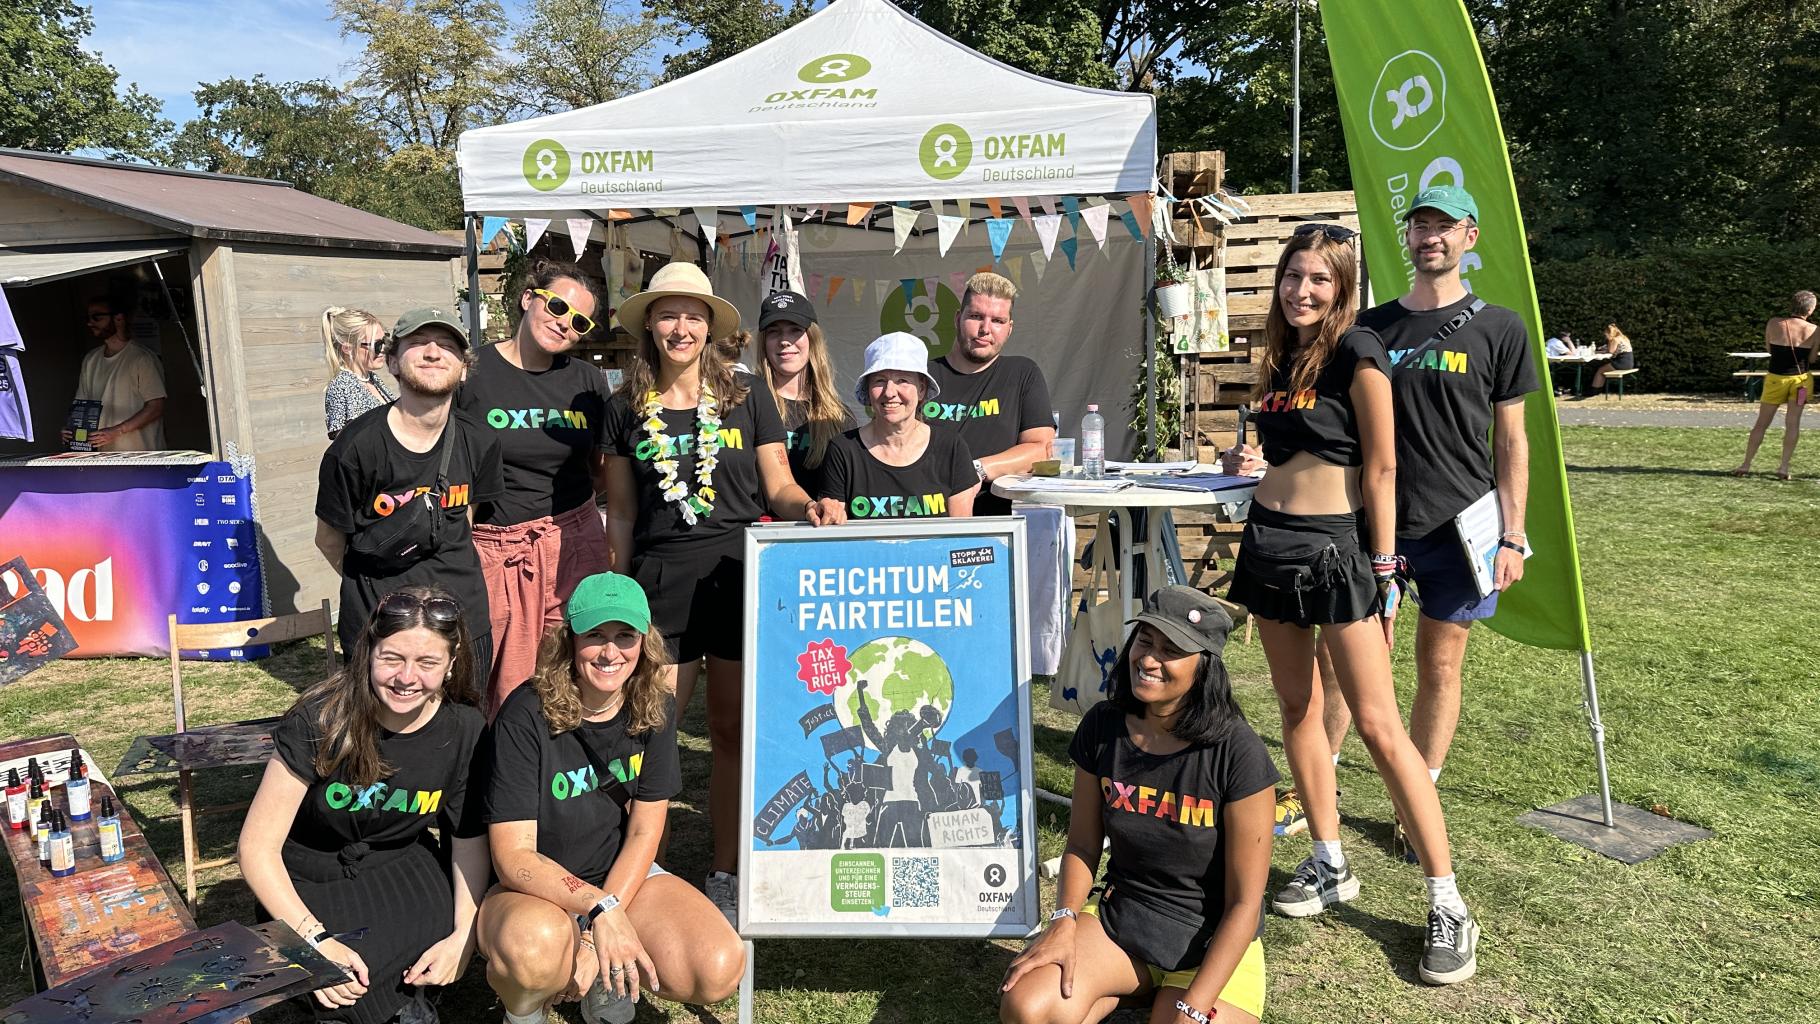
<point>1023,207</point>
<point>945,230</point>
<point>859,290</point>
<point>957,280</point>
<point>1047,226</point>
<point>534,229</point>
<point>993,205</point>
<point>834,286</point>
<point>1039,262</point>
<point>966,214</point>
<point>668,211</point>
<point>1014,270</point>
<point>709,218</point>
<point>814,284</point>
<point>903,221</point>
<point>750,213</point>
<point>883,289</point>
<point>489,228</point>
<point>1048,203</point>
<point>1140,208</point>
<point>998,230</point>
<point>579,230</point>
<point>1069,245</point>
<point>1131,225</point>
<point>908,285</point>
<point>1072,206</point>
<point>856,212</point>
<point>1095,216</point>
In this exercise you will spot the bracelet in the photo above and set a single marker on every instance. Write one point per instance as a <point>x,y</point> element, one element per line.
<point>1518,548</point>
<point>606,903</point>
<point>319,938</point>
<point>1182,1007</point>
<point>1520,535</point>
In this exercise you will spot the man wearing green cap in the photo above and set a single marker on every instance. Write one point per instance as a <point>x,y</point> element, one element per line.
<point>397,487</point>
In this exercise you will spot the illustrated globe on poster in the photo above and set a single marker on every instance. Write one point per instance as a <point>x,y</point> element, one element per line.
<point>901,674</point>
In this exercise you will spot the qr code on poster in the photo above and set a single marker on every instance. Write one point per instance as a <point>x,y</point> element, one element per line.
<point>916,882</point>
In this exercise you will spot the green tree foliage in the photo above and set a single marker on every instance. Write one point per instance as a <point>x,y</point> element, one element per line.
<point>310,134</point>
<point>59,97</point>
<point>576,53</point>
<point>431,69</point>
<point>724,27</point>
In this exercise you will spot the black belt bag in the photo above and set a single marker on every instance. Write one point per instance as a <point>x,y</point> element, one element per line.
<point>1293,563</point>
<point>1154,934</point>
<point>414,531</point>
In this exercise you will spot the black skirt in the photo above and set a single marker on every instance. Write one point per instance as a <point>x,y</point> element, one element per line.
<point>403,899</point>
<point>1305,570</point>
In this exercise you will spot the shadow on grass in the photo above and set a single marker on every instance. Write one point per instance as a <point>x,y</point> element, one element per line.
<point>1651,471</point>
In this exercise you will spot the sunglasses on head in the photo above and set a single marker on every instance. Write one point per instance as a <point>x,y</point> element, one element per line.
<point>1337,232</point>
<point>438,611</point>
<point>559,307</point>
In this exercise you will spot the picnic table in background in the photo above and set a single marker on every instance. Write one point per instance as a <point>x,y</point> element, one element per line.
<point>1753,379</point>
<point>1578,359</point>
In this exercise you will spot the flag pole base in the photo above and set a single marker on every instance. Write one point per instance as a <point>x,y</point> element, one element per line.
<point>1635,835</point>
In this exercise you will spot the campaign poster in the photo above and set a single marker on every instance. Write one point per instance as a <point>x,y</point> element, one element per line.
<point>887,731</point>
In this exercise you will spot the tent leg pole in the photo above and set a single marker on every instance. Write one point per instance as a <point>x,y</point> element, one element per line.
<point>473,257</point>
<point>1598,735</point>
<point>1149,352</point>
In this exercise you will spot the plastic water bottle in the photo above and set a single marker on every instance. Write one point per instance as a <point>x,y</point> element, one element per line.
<point>1093,443</point>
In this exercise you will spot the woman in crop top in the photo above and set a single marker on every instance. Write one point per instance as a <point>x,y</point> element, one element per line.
<point>1790,340</point>
<point>1319,551</point>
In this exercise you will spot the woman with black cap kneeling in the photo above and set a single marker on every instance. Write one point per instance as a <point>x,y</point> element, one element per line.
<point>1170,773</point>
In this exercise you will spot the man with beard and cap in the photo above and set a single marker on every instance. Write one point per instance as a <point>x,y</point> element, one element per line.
<point>413,460</point>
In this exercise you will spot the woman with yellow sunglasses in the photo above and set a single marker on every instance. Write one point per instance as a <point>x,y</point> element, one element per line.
<point>545,407</point>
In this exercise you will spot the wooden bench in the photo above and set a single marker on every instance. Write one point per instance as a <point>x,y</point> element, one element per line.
<point>1753,381</point>
<point>1618,375</point>
<point>103,911</point>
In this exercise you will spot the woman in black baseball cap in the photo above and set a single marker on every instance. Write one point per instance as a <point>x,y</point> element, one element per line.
<point>1169,774</point>
<point>793,358</point>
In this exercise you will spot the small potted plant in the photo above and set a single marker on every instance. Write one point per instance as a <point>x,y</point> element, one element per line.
<point>1174,294</point>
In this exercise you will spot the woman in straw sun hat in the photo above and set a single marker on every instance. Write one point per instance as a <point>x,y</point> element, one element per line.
<point>695,453</point>
<point>897,466</point>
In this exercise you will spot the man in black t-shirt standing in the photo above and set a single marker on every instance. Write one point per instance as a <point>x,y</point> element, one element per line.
<point>1000,403</point>
<point>386,463</point>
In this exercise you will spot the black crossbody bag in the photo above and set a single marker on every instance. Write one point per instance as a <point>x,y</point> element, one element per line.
<point>415,530</point>
<point>1460,319</point>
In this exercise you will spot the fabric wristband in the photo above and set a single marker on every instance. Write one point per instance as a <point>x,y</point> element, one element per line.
<point>1193,1014</point>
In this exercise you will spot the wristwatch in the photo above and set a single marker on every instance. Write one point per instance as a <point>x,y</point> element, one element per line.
<point>607,902</point>
<point>979,470</point>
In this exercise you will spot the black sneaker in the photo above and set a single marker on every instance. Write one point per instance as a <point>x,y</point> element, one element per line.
<point>1450,953</point>
<point>1314,888</point>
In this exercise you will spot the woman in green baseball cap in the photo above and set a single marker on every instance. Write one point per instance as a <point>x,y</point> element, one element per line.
<point>583,768</point>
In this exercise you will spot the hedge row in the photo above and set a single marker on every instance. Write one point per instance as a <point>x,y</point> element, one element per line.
<point>1683,310</point>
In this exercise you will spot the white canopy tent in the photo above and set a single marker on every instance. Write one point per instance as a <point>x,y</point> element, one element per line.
<point>860,104</point>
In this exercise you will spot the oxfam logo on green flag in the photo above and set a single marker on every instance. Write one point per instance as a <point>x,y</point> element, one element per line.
<point>928,316</point>
<point>546,165</point>
<point>1409,101</point>
<point>946,151</point>
<point>835,67</point>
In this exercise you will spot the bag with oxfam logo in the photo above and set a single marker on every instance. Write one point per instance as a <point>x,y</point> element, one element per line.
<point>414,531</point>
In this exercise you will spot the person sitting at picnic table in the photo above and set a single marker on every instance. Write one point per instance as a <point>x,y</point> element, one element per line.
<point>583,764</point>
<point>1619,356</point>
<point>897,466</point>
<point>1560,345</point>
<point>337,843</point>
<point>1180,915</point>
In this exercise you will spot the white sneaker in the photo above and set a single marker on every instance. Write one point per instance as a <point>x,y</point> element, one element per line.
<point>723,892</point>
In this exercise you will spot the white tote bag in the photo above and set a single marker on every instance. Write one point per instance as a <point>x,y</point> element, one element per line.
<point>1098,634</point>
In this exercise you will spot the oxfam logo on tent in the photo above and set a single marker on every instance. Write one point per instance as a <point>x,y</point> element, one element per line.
<point>546,165</point>
<point>835,67</point>
<point>928,316</point>
<point>1409,101</point>
<point>946,151</point>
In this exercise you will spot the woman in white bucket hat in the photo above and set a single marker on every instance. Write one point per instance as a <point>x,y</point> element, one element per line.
<point>897,466</point>
<point>695,453</point>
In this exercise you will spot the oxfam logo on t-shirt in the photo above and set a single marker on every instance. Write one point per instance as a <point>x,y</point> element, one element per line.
<point>546,165</point>
<point>946,151</point>
<point>929,316</point>
<point>835,67</point>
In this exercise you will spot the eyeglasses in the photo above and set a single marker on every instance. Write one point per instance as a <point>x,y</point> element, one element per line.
<point>1424,230</point>
<point>559,307</point>
<point>1337,232</point>
<point>438,611</point>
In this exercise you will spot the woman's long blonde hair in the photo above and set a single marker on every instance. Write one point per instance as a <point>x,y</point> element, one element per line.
<point>646,697</point>
<point>1282,344</point>
<point>826,410</point>
<point>1613,336</point>
<point>344,328</point>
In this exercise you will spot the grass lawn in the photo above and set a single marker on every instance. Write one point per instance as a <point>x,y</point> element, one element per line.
<point>1702,592</point>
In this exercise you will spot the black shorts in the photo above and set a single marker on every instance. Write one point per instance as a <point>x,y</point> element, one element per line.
<point>1306,570</point>
<point>697,593</point>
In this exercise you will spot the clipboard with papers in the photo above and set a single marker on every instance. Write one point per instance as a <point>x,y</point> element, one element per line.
<point>1480,527</point>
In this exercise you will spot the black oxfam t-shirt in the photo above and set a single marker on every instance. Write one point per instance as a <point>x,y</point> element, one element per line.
<point>873,490</point>
<point>576,786</point>
<point>739,493</point>
<point>366,475</point>
<point>798,439</point>
<point>1443,401</point>
<point>428,784</point>
<point>548,426</point>
<point>1319,419</point>
<point>992,407</point>
<point>1161,815</point>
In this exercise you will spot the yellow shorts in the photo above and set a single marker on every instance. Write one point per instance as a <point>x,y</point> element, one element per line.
<point>1245,989</point>
<point>1779,388</point>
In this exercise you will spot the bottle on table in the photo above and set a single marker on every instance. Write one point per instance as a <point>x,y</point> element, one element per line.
<point>46,819</point>
<point>34,805</point>
<point>1093,443</point>
<point>76,791</point>
<point>63,847</point>
<point>15,800</point>
<point>113,841</point>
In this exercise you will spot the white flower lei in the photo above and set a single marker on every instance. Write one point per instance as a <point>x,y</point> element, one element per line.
<point>707,454</point>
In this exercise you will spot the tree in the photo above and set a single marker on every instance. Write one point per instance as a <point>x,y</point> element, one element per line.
<point>430,70</point>
<point>307,133</point>
<point>726,27</point>
<point>58,97</point>
<point>576,53</point>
